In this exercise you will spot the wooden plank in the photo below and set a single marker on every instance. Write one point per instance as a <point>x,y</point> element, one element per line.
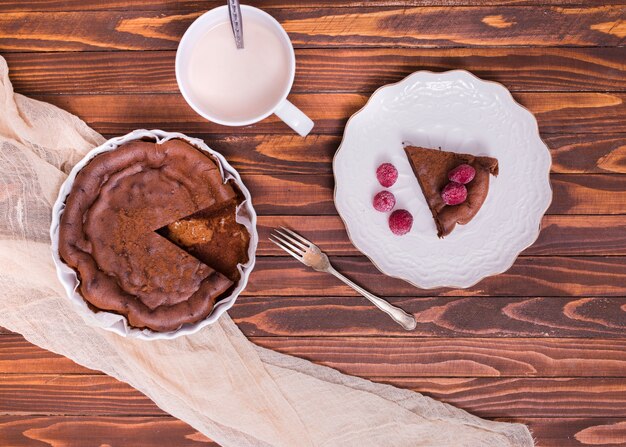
<point>490,398</point>
<point>331,70</point>
<point>336,27</point>
<point>489,317</point>
<point>27,431</point>
<point>19,356</point>
<point>292,195</point>
<point>485,397</point>
<point>461,26</point>
<point>401,357</point>
<point>580,235</point>
<point>571,191</point>
<point>575,432</point>
<point>476,357</point>
<point>72,395</point>
<point>561,113</point>
<point>193,5</point>
<point>588,154</point>
<point>81,431</point>
<point>285,154</point>
<point>561,235</point>
<point>313,195</point>
<point>529,276</point>
<point>288,154</point>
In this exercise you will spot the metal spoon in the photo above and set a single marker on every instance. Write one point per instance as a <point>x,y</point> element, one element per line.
<point>234,10</point>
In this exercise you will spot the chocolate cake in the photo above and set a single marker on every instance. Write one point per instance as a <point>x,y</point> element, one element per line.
<point>431,167</point>
<point>108,233</point>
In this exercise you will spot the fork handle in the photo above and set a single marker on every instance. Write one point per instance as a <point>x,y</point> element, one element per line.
<point>407,321</point>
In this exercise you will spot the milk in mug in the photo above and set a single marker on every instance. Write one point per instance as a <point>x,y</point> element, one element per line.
<point>239,84</point>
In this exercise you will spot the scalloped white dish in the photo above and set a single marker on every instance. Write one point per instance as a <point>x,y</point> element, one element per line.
<point>458,112</point>
<point>113,322</point>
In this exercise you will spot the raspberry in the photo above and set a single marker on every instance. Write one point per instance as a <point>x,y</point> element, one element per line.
<point>400,222</point>
<point>462,174</point>
<point>454,193</point>
<point>387,174</point>
<point>384,201</point>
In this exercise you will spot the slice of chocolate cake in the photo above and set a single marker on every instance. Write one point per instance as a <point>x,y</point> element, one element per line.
<point>431,167</point>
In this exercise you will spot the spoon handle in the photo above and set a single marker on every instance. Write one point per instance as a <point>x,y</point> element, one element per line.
<point>234,10</point>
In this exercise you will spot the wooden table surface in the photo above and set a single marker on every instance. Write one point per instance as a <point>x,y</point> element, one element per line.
<point>543,344</point>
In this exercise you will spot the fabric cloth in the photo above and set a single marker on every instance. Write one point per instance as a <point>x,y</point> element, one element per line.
<point>233,391</point>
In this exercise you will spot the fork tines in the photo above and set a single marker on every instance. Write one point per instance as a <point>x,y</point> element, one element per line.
<point>290,241</point>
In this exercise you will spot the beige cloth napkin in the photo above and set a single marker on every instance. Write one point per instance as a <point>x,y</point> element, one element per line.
<point>235,392</point>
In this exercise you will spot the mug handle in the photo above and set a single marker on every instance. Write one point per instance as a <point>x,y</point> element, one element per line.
<point>294,118</point>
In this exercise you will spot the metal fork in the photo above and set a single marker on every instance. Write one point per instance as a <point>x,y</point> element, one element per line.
<point>310,255</point>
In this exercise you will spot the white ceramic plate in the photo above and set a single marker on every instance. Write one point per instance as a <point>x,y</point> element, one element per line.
<point>458,112</point>
<point>118,323</point>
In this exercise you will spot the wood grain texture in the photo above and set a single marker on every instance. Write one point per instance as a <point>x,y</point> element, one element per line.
<point>489,317</point>
<point>102,395</point>
<point>588,154</point>
<point>329,27</point>
<point>475,357</point>
<point>79,431</point>
<point>72,395</point>
<point>313,195</point>
<point>374,357</point>
<point>520,397</point>
<point>575,432</point>
<point>557,113</point>
<point>19,356</point>
<point>101,431</point>
<point>287,154</point>
<point>331,70</point>
<point>529,276</point>
<point>195,5</point>
<point>486,317</point>
<point>561,235</point>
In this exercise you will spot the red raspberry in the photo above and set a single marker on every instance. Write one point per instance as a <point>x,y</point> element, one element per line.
<point>387,174</point>
<point>454,193</point>
<point>400,222</point>
<point>462,174</point>
<point>384,201</point>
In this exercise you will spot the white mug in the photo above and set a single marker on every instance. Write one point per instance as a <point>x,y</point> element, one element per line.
<point>284,109</point>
